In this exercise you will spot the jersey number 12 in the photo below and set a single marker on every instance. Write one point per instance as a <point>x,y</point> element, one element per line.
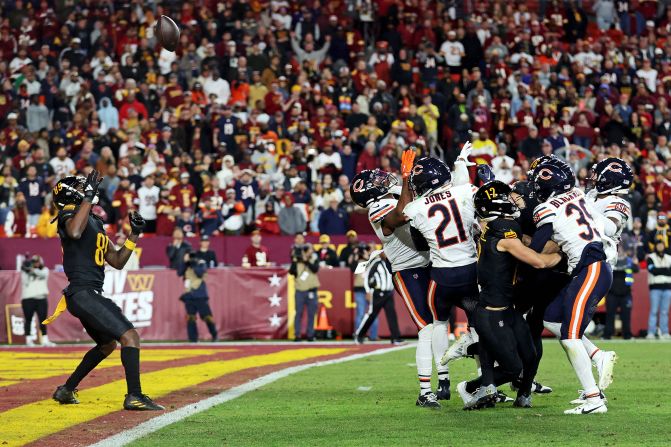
<point>448,215</point>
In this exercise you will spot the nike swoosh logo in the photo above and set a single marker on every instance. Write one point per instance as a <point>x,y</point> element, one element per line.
<point>593,409</point>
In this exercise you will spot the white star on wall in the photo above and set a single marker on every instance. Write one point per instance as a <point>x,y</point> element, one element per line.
<point>275,300</point>
<point>275,321</point>
<point>274,280</point>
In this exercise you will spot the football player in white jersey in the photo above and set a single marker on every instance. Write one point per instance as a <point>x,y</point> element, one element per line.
<point>375,190</point>
<point>610,179</point>
<point>565,217</point>
<point>444,214</point>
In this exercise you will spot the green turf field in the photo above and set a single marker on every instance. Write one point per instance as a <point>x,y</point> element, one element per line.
<point>323,406</point>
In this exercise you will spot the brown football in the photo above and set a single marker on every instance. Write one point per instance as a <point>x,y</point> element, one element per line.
<point>167,33</point>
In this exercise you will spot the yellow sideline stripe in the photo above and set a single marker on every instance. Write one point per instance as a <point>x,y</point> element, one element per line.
<point>18,366</point>
<point>33,421</point>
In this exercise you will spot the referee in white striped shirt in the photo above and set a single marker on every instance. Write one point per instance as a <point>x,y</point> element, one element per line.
<point>379,285</point>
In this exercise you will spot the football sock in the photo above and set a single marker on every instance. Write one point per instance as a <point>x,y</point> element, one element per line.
<point>423,359</point>
<point>592,350</point>
<point>575,351</point>
<point>91,359</point>
<point>555,328</point>
<point>130,358</point>
<point>439,344</point>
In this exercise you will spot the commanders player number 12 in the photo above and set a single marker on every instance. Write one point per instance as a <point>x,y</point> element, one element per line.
<point>101,248</point>
<point>448,215</point>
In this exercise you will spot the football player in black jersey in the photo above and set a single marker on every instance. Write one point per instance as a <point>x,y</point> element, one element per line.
<point>86,248</point>
<point>504,335</point>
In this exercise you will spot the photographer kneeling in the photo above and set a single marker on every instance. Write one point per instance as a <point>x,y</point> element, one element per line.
<point>196,300</point>
<point>304,267</point>
<point>34,297</point>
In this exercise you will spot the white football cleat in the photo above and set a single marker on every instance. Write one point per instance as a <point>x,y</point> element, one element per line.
<point>458,350</point>
<point>465,395</point>
<point>30,340</point>
<point>604,368</point>
<point>599,406</point>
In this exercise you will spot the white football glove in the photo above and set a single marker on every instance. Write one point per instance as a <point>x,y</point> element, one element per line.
<point>465,153</point>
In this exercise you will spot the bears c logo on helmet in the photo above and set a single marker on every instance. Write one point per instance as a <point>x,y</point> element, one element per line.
<point>418,169</point>
<point>615,167</point>
<point>357,186</point>
<point>545,174</point>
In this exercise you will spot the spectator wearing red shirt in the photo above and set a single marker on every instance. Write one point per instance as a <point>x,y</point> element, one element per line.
<point>368,159</point>
<point>267,222</point>
<point>256,255</point>
<point>183,195</point>
<point>132,103</point>
<point>124,199</point>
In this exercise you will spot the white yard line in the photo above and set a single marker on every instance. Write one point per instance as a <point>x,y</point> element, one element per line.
<point>157,423</point>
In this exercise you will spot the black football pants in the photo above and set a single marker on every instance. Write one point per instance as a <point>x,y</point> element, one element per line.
<point>32,306</point>
<point>506,339</point>
<point>381,300</point>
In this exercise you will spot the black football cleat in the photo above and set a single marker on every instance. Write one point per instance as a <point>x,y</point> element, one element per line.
<point>443,391</point>
<point>502,397</point>
<point>140,402</point>
<point>64,396</point>
<point>539,388</point>
<point>522,401</point>
<point>428,400</point>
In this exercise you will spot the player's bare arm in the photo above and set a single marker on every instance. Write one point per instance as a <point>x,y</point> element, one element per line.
<point>77,224</point>
<point>516,248</point>
<point>118,258</point>
<point>551,247</point>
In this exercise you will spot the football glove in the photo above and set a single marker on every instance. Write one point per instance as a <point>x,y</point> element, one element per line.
<point>485,173</point>
<point>91,186</point>
<point>407,161</point>
<point>465,153</point>
<point>137,223</point>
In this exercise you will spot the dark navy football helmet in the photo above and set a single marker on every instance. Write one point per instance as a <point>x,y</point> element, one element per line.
<point>611,175</point>
<point>69,192</point>
<point>550,180</point>
<point>547,159</point>
<point>492,200</point>
<point>429,174</point>
<point>371,185</point>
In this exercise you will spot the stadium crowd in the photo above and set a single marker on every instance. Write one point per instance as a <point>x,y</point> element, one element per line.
<point>268,108</point>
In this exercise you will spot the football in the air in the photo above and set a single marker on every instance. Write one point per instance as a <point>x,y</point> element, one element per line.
<point>167,33</point>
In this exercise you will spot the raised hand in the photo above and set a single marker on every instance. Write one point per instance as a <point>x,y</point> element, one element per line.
<point>407,162</point>
<point>91,186</point>
<point>137,223</point>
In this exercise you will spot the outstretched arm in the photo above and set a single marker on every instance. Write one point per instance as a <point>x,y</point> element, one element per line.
<point>396,218</point>
<point>118,258</point>
<point>516,248</point>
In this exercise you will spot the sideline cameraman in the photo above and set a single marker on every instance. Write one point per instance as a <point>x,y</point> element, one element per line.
<point>196,299</point>
<point>304,267</point>
<point>34,294</point>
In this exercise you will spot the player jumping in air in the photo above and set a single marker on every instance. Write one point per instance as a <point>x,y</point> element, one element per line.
<point>377,191</point>
<point>86,248</point>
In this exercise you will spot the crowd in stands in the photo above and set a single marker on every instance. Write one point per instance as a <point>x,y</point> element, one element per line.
<point>268,108</point>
